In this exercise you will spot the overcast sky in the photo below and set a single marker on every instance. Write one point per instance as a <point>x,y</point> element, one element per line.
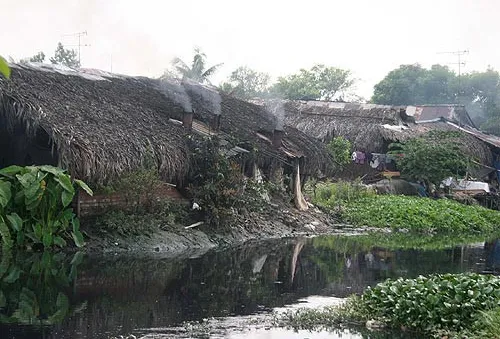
<point>368,37</point>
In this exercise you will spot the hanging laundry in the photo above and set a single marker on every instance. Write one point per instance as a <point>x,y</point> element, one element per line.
<point>354,156</point>
<point>361,158</point>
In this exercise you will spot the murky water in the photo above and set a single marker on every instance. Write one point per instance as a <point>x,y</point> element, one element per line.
<point>221,294</point>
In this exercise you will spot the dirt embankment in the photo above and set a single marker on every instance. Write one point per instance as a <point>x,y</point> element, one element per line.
<point>275,222</point>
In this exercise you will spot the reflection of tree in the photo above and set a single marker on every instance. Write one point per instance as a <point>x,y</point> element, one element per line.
<point>34,288</point>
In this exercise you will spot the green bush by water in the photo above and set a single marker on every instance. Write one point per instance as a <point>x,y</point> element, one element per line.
<point>447,305</point>
<point>421,215</point>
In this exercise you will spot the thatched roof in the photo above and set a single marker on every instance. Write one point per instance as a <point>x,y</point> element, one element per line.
<point>359,123</point>
<point>371,127</point>
<point>103,124</point>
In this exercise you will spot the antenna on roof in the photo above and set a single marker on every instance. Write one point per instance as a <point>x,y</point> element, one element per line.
<point>460,63</point>
<point>80,45</point>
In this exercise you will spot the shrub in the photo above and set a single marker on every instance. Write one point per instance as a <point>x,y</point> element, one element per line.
<point>334,194</point>
<point>340,149</point>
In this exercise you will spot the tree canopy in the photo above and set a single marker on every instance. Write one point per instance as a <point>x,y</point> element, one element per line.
<point>416,85</point>
<point>246,83</point>
<point>431,158</point>
<point>318,83</point>
<point>198,70</point>
<point>67,57</point>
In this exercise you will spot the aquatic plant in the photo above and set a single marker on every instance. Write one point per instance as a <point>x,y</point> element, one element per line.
<point>35,206</point>
<point>440,305</point>
<point>422,215</point>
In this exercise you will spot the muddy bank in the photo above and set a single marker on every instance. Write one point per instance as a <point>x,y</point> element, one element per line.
<point>275,222</point>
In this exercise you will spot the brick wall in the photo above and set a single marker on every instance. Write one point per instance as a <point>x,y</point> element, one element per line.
<point>86,205</point>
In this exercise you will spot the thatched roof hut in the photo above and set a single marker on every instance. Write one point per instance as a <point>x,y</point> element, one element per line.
<point>371,128</point>
<point>100,125</point>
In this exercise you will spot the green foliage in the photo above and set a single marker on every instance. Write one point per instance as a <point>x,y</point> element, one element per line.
<point>35,206</point>
<point>340,149</point>
<point>198,70</point>
<point>219,187</point>
<point>413,85</point>
<point>67,57</point>
<point>246,83</point>
<point>320,82</point>
<point>330,195</point>
<point>162,214</point>
<point>439,302</point>
<point>421,215</point>
<point>4,68</point>
<point>462,305</point>
<point>432,157</point>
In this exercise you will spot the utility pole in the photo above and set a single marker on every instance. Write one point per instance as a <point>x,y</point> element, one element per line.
<point>79,35</point>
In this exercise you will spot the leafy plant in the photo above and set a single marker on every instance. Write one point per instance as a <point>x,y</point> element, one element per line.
<point>449,301</point>
<point>331,195</point>
<point>219,187</point>
<point>432,157</point>
<point>35,206</point>
<point>340,148</point>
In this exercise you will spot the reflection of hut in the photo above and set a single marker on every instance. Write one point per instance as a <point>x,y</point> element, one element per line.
<point>100,125</point>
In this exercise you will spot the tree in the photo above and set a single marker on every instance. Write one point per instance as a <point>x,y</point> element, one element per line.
<point>198,70</point>
<point>318,83</point>
<point>481,91</point>
<point>415,85</point>
<point>39,57</point>
<point>67,57</point>
<point>340,148</point>
<point>246,83</point>
<point>432,157</point>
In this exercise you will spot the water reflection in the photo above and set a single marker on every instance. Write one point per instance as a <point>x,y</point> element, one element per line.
<point>114,295</point>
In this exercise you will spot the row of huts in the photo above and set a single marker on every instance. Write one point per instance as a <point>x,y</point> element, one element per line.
<point>101,125</point>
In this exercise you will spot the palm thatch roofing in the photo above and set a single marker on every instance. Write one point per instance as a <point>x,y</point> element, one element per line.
<point>101,125</point>
<point>372,127</point>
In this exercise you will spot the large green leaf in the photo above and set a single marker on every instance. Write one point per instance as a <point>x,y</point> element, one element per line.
<point>5,193</point>
<point>15,221</point>
<point>47,239</point>
<point>58,241</point>
<point>65,182</point>
<point>76,234</point>
<point>56,171</point>
<point>84,187</point>
<point>5,233</point>
<point>26,179</point>
<point>4,68</point>
<point>66,198</point>
<point>13,275</point>
<point>11,171</point>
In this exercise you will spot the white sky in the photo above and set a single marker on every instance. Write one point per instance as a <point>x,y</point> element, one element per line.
<point>368,37</point>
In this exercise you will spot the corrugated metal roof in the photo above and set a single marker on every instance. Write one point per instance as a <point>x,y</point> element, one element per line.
<point>455,113</point>
<point>490,139</point>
